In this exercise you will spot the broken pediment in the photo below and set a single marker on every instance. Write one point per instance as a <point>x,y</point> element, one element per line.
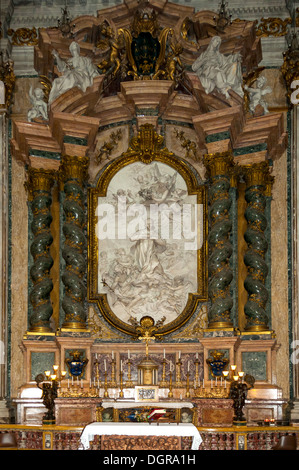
<point>157,59</point>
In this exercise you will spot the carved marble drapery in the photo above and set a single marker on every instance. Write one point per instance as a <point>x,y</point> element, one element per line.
<point>72,175</point>
<point>39,187</point>
<point>256,177</point>
<point>219,168</point>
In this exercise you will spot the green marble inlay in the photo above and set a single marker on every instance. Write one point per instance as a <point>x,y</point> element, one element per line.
<point>217,137</point>
<point>44,154</point>
<point>69,139</point>
<point>255,363</point>
<point>41,361</point>
<point>250,149</point>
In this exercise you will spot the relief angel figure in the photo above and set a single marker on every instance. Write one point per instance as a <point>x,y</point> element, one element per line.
<point>256,95</point>
<point>217,71</point>
<point>77,71</point>
<point>39,106</point>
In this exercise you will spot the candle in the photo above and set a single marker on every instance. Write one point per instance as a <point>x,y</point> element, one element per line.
<point>128,354</point>
<point>105,365</point>
<point>211,383</point>
<point>179,354</point>
<point>121,365</point>
<point>188,366</point>
<point>197,355</point>
<point>216,381</point>
<point>164,353</point>
<point>112,355</point>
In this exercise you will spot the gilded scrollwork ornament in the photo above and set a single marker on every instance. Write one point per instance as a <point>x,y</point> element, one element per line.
<point>144,51</point>
<point>23,36</point>
<point>7,76</point>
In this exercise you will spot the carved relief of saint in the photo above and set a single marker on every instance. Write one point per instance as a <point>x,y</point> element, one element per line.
<point>77,71</point>
<point>217,71</point>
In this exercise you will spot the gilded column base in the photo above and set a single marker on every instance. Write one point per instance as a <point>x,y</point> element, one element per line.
<point>35,331</point>
<point>40,330</point>
<point>220,325</point>
<point>257,328</point>
<point>74,326</point>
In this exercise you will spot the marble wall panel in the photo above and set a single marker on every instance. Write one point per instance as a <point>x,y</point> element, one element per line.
<point>19,270</point>
<point>279,270</point>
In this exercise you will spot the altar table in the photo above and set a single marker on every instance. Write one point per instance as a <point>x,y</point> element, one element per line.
<point>140,429</point>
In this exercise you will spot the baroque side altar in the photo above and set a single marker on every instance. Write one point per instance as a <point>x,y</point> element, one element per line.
<point>148,161</point>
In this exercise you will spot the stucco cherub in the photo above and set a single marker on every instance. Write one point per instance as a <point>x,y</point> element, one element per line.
<point>256,95</point>
<point>39,106</point>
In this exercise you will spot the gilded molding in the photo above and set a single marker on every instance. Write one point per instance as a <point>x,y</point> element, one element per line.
<point>146,147</point>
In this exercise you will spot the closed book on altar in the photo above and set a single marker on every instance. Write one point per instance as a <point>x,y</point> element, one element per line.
<point>156,414</point>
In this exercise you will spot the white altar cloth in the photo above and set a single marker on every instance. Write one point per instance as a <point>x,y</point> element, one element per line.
<point>140,429</point>
<point>106,403</point>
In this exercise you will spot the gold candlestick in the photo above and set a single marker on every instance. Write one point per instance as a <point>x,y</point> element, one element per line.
<point>196,378</point>
<point>188,385</point>
<point>129,382</point>
<point>178,381</point>
<point>170,394</point>
<point>113,374</point>
<point>163,383</point>
<point>106,395</point>
<point>121,393</point>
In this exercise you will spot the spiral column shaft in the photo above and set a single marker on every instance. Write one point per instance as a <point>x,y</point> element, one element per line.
<point>219,167</point>
<point>256,177</point>
<point>39,187</point>
<point>72,175</point>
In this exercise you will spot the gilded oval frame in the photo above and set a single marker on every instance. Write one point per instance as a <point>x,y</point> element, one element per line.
<point>146,148</point>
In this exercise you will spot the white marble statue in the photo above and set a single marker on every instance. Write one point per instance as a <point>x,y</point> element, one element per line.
<point>76,72</point>
<point>217,71</point>
<point>256,94</point>
<point>39,106</point>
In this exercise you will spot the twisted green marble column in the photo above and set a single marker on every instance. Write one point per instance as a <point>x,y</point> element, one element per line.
<point>73,173</point>
<point>39,186</point>
<point>219,168</point>
<point>256,177</point>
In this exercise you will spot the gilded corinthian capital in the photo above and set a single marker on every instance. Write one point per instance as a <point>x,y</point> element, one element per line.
<point>73,168</point>
<point>39,179</point>
<point>258,174</point>
<point>218,163</point>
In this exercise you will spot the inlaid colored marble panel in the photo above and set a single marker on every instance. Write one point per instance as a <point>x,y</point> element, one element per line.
<point>255,363</point>
<point>41,361</point>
